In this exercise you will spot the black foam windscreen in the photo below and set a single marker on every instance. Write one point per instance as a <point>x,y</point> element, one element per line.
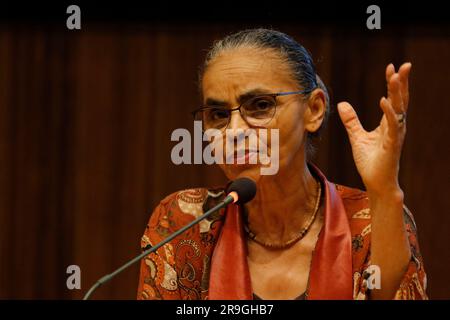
<point>245,188</point>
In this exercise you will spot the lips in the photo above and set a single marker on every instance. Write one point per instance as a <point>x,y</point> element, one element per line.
<point>248,155</point>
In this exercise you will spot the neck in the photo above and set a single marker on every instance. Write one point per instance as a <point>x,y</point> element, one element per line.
<point>283,203</point>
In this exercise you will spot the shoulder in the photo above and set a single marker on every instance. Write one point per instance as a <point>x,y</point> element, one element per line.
<point>178,269</point>
<point>193,201</point>
<point>178,209</point>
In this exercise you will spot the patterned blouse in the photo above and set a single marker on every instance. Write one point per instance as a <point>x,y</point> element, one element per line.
<point>181,269</point>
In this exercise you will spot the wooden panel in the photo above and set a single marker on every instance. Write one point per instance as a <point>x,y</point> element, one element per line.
<point>85,124</point>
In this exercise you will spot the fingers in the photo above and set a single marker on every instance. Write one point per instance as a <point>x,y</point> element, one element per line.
<point>404,79</point>
<point>394,128</point>
<point>395,94</point>
<point>349,119</point>
<point>390,70</point>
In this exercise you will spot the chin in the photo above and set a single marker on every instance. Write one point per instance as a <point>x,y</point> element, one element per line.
<point>236,171</point>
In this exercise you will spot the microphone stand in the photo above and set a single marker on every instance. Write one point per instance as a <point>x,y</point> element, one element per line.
<point>228,199</point>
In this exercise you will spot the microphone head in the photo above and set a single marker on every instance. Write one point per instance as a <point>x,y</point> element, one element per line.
<point>245,189</point>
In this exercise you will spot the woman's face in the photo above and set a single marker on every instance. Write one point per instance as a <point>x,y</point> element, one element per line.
<point>239,73</point>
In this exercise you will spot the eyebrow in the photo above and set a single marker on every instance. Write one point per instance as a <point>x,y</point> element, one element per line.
<point>243,97</point>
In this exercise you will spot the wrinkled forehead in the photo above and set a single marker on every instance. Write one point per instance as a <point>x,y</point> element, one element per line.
<point>240,70</point>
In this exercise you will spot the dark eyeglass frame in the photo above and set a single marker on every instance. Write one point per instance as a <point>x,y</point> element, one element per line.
<point>230,110</point>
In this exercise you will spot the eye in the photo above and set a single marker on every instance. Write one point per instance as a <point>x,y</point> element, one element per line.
<point>217,114</point>
<point>260,105</point>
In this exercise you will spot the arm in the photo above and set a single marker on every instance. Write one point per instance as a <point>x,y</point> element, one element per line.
<point>410,286</point>
<point>147,286</point>
<point>390,249</point>
<point>377,156</point>
<point>157,275</point>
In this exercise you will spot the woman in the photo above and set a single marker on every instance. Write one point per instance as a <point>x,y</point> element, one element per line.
<point>301,237</point>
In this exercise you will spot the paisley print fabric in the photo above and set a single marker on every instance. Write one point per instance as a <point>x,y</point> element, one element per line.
<point>180,269</point>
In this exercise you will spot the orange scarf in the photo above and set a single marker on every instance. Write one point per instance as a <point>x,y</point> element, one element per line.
<point>331,267</point>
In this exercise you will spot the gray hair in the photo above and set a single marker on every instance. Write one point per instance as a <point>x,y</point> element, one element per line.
<point>295,55</point>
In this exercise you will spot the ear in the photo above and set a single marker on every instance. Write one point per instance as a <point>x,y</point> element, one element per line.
<point>315,110</point>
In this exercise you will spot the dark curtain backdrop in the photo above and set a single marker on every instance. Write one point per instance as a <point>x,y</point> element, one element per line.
<point>85,124</point>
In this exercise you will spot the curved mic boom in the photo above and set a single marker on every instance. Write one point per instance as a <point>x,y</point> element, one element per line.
<point>240,191</point>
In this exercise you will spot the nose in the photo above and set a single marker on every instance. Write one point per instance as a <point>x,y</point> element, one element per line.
<point>237,127</point>
<point>237,121</point>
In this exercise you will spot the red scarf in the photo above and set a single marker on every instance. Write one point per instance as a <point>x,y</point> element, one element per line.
<point>331,267</point>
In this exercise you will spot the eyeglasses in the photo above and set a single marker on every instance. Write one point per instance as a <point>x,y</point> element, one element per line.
<point>257,111</point>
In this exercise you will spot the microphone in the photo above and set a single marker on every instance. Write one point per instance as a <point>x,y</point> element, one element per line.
<point>240,191</point>
<point>244,188</point>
